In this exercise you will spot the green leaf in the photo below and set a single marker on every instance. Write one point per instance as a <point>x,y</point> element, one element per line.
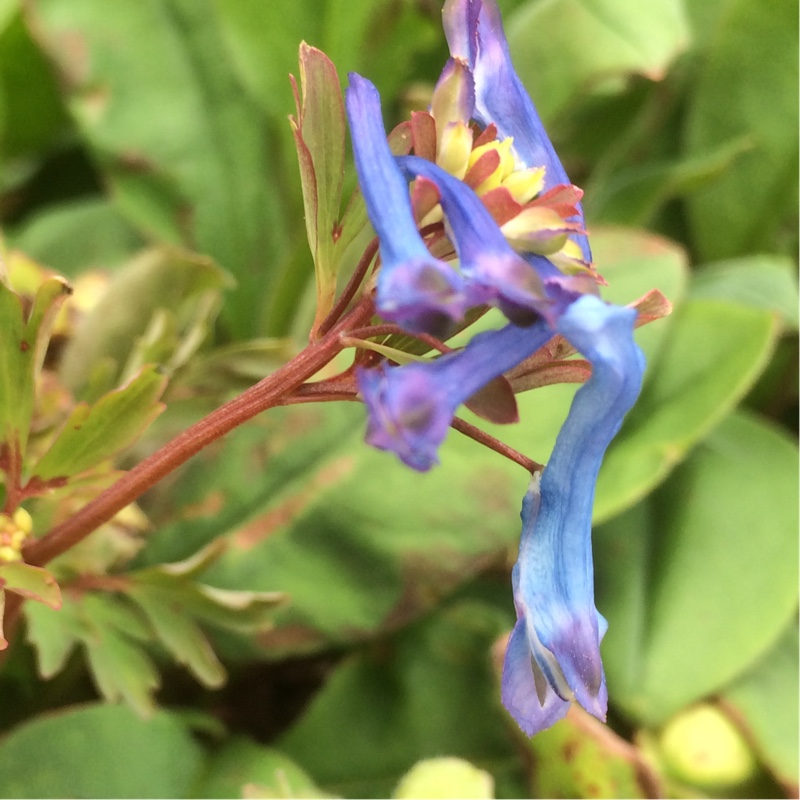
<point>22,352</point>
<point>564,48</point>
<point>636,193</point>
<point>173,585</point>
<point>158,282</point>
<point>445,777</point>
<point>32,116</point>
<point>714,354</point>
<point>180,634</point>
<point>33,583</point>
<point>320,525</point>
<point>112,636</point>
<point>580,757</point>
<point>94,433</point>
<point>99,751</point>
<point>429,690</point>
<point>205,175</point>
<point>378,38</point>
<point>699,581</point>
<point>746,86</point>
<point>764,701</point>
<point>634,262</point>
<point>763,281</point>
<point>77,236</point>
<point>121,670</point>
<point>54,634</point>
<point>243,768</point>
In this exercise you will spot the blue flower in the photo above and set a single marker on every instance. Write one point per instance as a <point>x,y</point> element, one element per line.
<point>553,655</point>
<point>493,272</point>
<point>410,408</point>
<point>415,290</point>
<point>475,34</point>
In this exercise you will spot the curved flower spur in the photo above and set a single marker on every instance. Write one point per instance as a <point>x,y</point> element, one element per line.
<point>484,214</point>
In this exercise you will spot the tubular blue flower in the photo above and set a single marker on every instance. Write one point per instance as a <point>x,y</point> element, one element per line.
<point>553,655</point>
<point>475,34</point>
<point>415,290</point>
<point>411,407</point>
<point>493,271</point>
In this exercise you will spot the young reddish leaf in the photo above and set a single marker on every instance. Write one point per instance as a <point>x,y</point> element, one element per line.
<point>319,132</point>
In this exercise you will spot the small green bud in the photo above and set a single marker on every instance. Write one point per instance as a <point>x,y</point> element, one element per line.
<point>701,746</point>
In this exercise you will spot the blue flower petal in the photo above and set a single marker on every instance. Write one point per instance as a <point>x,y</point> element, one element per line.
<point>410,408</point>
<point>415,290</point>
<point>494,272</point>
<point>555,592</point>
<point>475,33</point>
<point>525,691</point>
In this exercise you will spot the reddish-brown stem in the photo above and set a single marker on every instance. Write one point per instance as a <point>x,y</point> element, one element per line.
<point>349,291</point>
<point>462,426</point>
<point>253,401</point>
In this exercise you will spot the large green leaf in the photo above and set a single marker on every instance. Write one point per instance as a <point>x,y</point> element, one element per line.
<point>32,116</point>
<point>358,542</point>
<point>700,580</point>
<point>377,38</point>
<point>99,751</point>
<point>765,700</point>
<point>78,236</point>
<point>563,48</point>
<point>187,153</point>
<point>762,281</point>
<point>715,352</point>
<point>746,86</point>
<point>428,691</point>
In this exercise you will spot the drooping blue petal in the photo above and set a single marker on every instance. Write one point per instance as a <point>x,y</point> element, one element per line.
<point>554,591</point>
<point>525,691</point>
<point>493,271</point>
<point>475,33</point>
<point>415,290</point>
<point>410,408</point>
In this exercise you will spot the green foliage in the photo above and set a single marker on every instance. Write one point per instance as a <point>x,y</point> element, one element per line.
<point>94,433</point>
<point>358,610</point>
<point>21,354</point>
<point>100,751</point>
<point>746,85</point>
<point>671,583</point>
<point>563,48</point>
<point>589,761</point>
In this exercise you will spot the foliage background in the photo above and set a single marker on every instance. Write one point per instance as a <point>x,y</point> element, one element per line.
<point>133,129</point>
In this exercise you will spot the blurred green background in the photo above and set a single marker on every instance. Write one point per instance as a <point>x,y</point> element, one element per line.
<point>145,153</point>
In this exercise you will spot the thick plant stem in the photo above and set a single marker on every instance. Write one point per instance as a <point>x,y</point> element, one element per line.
<point>267,393</point>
